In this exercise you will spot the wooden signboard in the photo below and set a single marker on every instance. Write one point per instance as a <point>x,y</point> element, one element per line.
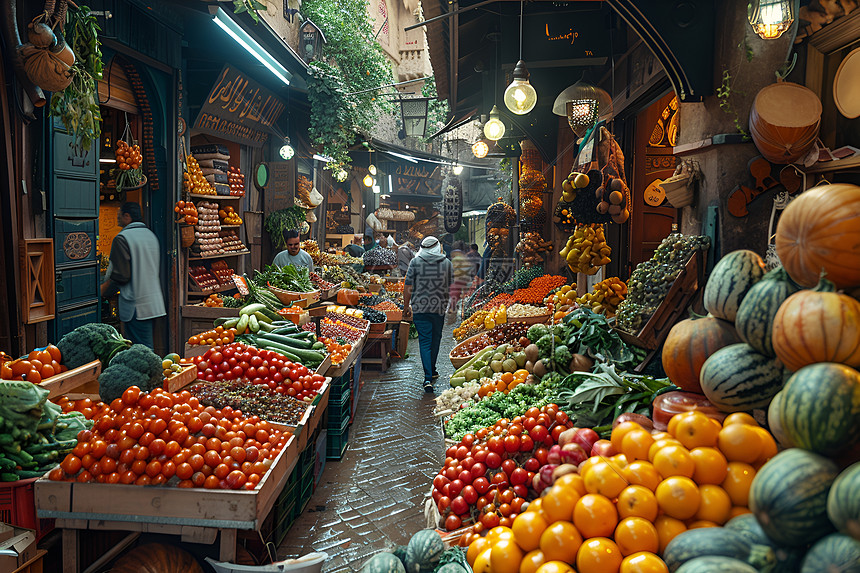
<point>282,187</point>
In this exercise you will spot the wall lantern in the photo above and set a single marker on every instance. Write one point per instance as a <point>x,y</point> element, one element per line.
<point>286,151</point>
<point>494,129</point>
<point>480,149</point>
<point>583,104</point>
<point>413,112</point>
<point>770,18</point>
<point>312,41</point>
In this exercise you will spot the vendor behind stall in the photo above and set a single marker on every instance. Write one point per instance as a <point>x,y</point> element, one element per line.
<point>294,254</point>
<point>369,243</point>
<point>354,249</point>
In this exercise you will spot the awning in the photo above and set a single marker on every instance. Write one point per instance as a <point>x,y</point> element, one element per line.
<point>457,120</point>
<point>414,156</point>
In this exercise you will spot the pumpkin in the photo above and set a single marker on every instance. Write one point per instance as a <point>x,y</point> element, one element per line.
<point>156,558</point>
<point>732,278</point>
<point>820,230</point>
<point>689,344</point>
<point>754,321</point>
<point>817,325</point>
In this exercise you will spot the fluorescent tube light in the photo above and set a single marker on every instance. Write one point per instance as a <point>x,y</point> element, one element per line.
<point>251,45</point>
<point>324,158</point>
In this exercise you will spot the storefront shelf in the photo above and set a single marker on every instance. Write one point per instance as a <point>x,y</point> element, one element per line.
<point>229,226</point>
<point>220,256</point>
<point>199,196</point>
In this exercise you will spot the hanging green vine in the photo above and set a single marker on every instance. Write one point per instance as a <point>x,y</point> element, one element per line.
<point>352,62</point>
<point>726,90</point>
<point>77,106</point>
<point>249,6</point>
<point>437,112</point>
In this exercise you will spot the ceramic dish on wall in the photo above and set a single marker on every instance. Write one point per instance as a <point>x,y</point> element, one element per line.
<point>846,85</point>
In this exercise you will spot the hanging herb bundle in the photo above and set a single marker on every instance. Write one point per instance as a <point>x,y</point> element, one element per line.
<point>77,106</point>
<point>278,222</point>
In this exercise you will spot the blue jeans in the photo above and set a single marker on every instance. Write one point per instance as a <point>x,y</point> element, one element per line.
<point>429,326</point>
<point>139,331</point>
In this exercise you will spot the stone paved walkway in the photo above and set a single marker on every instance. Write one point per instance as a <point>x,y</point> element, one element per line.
<point>373,498</point>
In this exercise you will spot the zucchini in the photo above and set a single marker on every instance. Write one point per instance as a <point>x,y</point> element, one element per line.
<point>219,321</point>
<point>251,308</point>
<point>261,317</point>
<point>284,351</point>
<point>231,323</point>
<point>287,340</point>
<point>242,325</point>
<point>27,474</point>
<point>266,326</point>
<point>8,476</point>
<point>272,316</point>
<point>253,323</point>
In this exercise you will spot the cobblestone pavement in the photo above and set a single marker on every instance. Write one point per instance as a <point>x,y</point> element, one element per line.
<point>373,498</point>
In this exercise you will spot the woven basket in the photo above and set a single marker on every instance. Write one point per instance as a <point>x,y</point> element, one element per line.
<point>288,297</point>
<point>678,192</point>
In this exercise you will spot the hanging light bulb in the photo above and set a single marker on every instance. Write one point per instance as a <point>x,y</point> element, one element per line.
<point>377,189</point>
<point>286,151</point>
<point>480,149</point>
<point>368,180</point>
<point>457,169</point>
<point>770,18</point>
<point>372,170</point>
<point>494,129</point>
<point>520,96</point>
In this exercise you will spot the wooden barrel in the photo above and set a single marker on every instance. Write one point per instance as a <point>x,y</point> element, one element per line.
<point>784,121</point>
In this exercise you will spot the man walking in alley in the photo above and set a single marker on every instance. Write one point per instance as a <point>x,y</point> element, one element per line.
<point>134,270</point>
<point>425,298</point>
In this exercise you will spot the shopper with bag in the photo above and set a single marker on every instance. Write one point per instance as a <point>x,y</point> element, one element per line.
<point>425,298</point>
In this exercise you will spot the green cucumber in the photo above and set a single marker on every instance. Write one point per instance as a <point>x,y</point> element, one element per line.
<point>219,321</point>
<point>262,317</point>
<point>303,355</point>
<point>253,323</point>
<point>242,325</point>
<point>231,323</point>
<point>8,476</point>
<point>288,340</point>
<point>251,308</point>
<point>266,326</point>
<point>6,464</point>
<point>270,315</point>
<point>279,348</point>
<point>27,474</point>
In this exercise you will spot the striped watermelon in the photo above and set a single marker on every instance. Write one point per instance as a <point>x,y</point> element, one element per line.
<point>712,541</point>
<point>712,563</point>
<point>738,378</point>
<point>836,553</point>
<point>787,558</point>
<point>754,321</point>
<point>424,551</point>
<point>730,281</point>
<point>774,422</point>
<point>789,496</point>
<point>843,502</point>
<point>383,563</point>
<point>819,408</point>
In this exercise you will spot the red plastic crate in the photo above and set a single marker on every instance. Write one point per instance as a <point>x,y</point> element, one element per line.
<point>18,507</point>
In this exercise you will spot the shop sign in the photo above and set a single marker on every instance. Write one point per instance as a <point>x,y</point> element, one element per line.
<point>239,109</point>
<point>654,194</point>
<point>561,36</point>
<point>417,179</point>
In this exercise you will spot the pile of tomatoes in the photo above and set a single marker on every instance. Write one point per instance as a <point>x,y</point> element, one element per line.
<point>128,156</point>
<point>187,211</point>
<point>487,477</point>
<point>160,438</point>
<point>40,364</point>
<point>240,361</point>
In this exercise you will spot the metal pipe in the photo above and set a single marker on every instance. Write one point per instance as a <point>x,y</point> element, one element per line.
<point>391,85</point>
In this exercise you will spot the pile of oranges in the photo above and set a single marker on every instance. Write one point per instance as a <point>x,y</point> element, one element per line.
<point>338,351</point>
<point>187,212</point>
<point>503,382</point>
<point>38,365</point>
<point>214,337</point>
<point>538,289</point>
<point>622,508</point>
<point>128,156</point>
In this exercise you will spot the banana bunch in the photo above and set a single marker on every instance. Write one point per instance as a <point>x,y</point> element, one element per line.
<point>586,250</point>
<point>573,182</point>
<point>480,321</point>
<point>605,297</point>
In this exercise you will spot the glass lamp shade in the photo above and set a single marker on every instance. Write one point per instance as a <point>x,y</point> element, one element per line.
<point>286,151</point>
<point>368,180</point>
<point>494,129</point>
<point>584,105</point>
<point>372,170</point>
<point>520,95</point>
<point>480,149</point>
<point>770,18</point>
<point>457,169</point>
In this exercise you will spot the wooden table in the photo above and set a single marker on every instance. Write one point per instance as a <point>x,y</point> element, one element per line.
<point>377,349</point>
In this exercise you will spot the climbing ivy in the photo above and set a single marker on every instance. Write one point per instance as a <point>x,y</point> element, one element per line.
<point>437,112</point>
<point>352,62</point>
<point>249,6</point>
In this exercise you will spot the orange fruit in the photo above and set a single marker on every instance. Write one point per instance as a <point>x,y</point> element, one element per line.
<point>636,443</point>
<point>499,533</point>
<point>555,567</point>
<point>527,529</point>
<point>599,555</point>
<point>674,461</point>
<point>621,430</point>
<point>738,510</point>
<point>739,418</point>
<point>643,562</point>
<point>738,482</point>
<point>604,478</point>
<point>634,534</point>
<point>557,505</point>
<point>711,465</point>
<point>695,430</point>
<point>560,541</point>
<point>740,443</point>
<point>715,504</point>
<point>768,445</point>
<point>574,481</point>
<point>475,549</point>
<point>507,377</point>
<point>637,501</point>
<point>595,516</point>
<point>532,561</point>
<point>678,497</point>
<point>660,444</point>
<point>667,529</point>
<point>482,561</point>
<point>701,523</point>
<point>642,473</point>
<point>536,506</point>
<point>585,466</point>
<point>506,556</point>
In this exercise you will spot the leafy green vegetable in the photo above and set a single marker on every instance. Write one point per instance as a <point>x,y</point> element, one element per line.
<point>278,222</point>
<point>588,333</point>
<point>287,277</point>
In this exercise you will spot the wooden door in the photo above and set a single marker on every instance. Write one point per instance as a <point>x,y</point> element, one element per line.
<point>656,133</point>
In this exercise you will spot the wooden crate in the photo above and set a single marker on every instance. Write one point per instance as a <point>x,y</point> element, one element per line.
<point>73,379</point>
<point>182,379</point>
<point>342,368</point>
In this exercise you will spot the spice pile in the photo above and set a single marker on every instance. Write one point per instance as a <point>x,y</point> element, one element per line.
<point>251,400</point>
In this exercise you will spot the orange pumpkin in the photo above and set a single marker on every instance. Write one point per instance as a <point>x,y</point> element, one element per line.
<point>820,230</point>
<point>817,325</point>
<point>156,558</point>
<point>689,344</point>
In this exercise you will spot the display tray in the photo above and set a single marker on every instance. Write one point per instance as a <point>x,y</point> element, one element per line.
<point>214,196</point>
<point>324,365</point>
<point>537,319</point>
<point>220,256</point>
<point>343,367</point>
<point>69,380</point>
<point>210,312</point>
<point>376,327</point>
<point>288,297</point>
<point>182,378</point>
<point>195,288</point>
<point>199,507</point>
<point>459,361</point>
<point>329,294</point>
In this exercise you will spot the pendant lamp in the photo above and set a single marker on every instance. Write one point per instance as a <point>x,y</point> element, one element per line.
<point>520,95</point>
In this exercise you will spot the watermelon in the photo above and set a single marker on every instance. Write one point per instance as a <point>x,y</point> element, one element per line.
<point>732,278</point>
<point>789,496</point>
<point>843,502</point>
<point>451,568</point>
<point>819,408</point>
<point>711,541</point>
<point>774,422</point>
<point>738,378</point>
<point>754,320</point>
<point>712,563</point>
<point>424,551</point>
<point>787,558</point>
<point>383,563</point>
<point>836,553</point>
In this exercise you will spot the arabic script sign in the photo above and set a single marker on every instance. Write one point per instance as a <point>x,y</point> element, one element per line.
<point>417,179</point>
<point>239,109</point>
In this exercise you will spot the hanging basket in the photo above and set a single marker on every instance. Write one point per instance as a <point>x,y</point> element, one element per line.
<point>678,192</point>
<point>453,208</point>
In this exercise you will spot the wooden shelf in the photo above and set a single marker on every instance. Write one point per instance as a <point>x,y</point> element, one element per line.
<point>230,226</point>
<point>835,165</point>
<point>219,256</point>
<point>200,196</point>
<point>194,289</point>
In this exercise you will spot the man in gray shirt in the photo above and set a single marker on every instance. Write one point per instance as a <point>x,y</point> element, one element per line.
<point>294,254</point>
<point>425,298</point>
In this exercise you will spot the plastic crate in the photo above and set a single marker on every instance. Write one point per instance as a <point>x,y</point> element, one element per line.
<point>283,525</point>
<point>336,443</point>
<point>319,459</point>
<point>18,507</point>
<point>338,411</point>
<point>339,387</point>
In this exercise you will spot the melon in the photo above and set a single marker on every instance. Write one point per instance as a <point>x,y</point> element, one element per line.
<point>754,321</point>
<point>730,281</point>
<point>738,378</point>
<point>843,502</point>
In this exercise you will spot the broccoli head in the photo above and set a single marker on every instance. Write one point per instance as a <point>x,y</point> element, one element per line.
<point>137,366</point>
<point>562,357</point>
<point>536,332</point>
<point>94,341</point>
<point>545,344</point>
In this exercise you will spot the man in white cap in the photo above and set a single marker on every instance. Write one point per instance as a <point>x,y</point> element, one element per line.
<point>425,298</point>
